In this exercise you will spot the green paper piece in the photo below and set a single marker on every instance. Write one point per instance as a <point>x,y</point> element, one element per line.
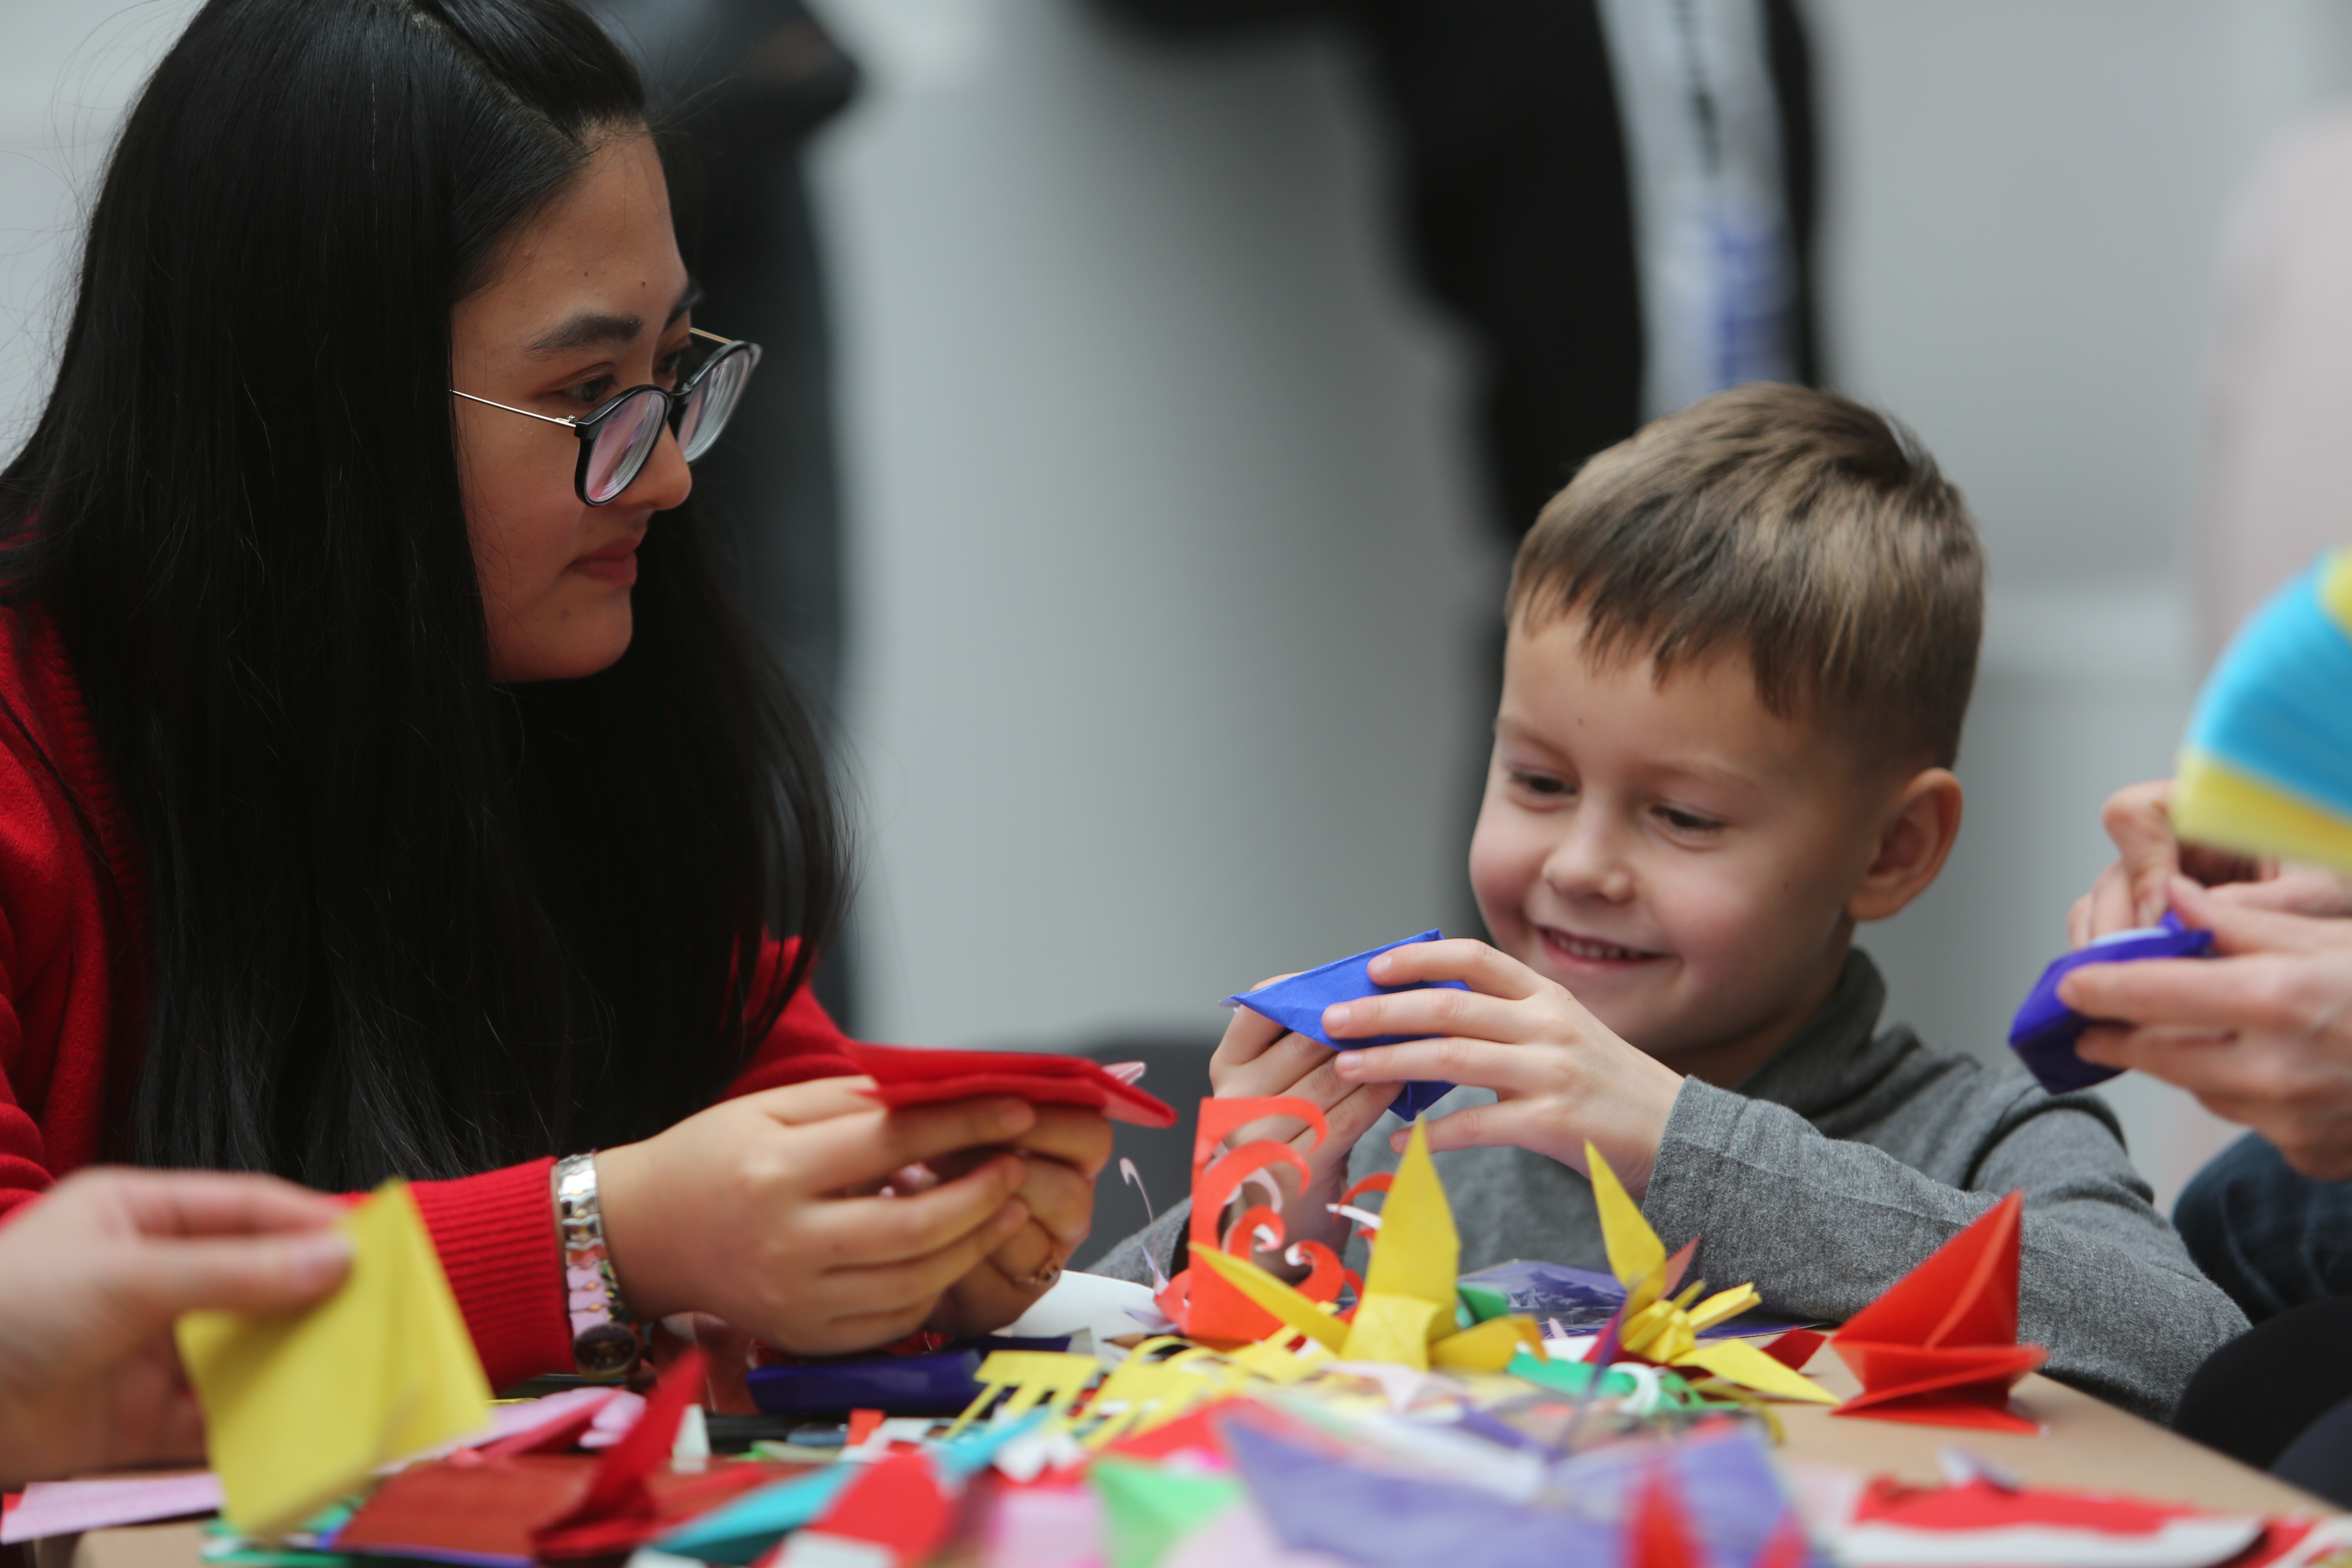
<point>1573,1376</point>
<point>1484,1301</point>
<point>1148,1509</point>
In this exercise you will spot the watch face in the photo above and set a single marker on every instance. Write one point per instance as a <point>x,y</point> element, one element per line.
<point>604,1350</point>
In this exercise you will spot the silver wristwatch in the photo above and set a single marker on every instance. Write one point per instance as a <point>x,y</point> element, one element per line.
<point>604,1342</point>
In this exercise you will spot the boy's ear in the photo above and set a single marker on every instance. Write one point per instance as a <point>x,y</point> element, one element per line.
<point>1911,847</point>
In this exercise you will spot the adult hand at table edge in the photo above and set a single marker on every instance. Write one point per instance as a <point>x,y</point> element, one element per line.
<point>2261,1034</point>
<point>99,1270</point>
<point>766,1211</point>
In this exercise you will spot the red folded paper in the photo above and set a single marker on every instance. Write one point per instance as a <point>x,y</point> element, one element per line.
<point>1940,1347</point>
<point>618,1512</point>
<point>904,1075</point>
<point>896,1506</point>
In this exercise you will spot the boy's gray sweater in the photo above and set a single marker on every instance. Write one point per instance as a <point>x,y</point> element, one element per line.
<point>1835,1168</point>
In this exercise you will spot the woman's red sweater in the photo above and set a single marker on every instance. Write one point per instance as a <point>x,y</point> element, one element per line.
<point>73,1013</point>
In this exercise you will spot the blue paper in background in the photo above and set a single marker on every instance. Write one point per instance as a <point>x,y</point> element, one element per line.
<point>1297,1004</point>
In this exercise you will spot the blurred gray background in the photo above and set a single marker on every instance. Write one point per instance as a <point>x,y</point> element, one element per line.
<point>1167,588</point>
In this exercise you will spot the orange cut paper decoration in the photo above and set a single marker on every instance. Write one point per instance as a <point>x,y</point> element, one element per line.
<point>1940,1347</point>
<point>1203,1303</point>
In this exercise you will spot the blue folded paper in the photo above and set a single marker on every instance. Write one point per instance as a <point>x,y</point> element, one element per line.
<point>1297,1004</point>
<point>940,1382</point>
<point>2046,1029</point>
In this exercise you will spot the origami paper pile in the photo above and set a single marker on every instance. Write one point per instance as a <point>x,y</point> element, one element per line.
<point>300,1407</point>
<point>1297,1004</point>
<point>1940,1346</point>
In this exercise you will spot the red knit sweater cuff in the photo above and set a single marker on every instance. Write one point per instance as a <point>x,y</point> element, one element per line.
<point>496,1235</point>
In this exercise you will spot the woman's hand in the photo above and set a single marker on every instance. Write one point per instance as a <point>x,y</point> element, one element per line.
<point>1560,1076</point>
<point>91,1279</point>
<point>2134,889</point>
<point>768,1211</point>
<point>1259,1057</point>
<point>2261,1035</point>
<point>1064,1152</point>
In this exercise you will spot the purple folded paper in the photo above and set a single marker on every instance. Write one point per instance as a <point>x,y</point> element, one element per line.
<point>942,1382</point>
<point>1297,1004</point>
<point>2046,1029</point>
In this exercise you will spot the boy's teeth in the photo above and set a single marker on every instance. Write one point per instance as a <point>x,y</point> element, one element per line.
<point>1596,949</point>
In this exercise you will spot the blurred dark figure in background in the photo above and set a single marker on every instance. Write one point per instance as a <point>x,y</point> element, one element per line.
<point>1617,197</point>
<point>737,87</point>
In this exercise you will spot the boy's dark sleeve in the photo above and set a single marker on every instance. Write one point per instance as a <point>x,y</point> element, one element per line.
<point>1823,1225</point>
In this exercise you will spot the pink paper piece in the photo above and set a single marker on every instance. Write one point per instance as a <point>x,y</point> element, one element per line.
<point>66,1508</point>
<point>1045,1526</point>
<point>613,1421</point>
<point>1240,1538</point>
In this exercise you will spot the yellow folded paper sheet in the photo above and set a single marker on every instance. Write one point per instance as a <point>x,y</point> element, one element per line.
<point>300,1407</point>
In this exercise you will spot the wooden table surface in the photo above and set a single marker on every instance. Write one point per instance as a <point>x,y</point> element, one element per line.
<point>2084,1443</point>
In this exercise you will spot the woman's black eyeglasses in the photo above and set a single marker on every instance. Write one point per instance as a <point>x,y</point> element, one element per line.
<point>616,440</point>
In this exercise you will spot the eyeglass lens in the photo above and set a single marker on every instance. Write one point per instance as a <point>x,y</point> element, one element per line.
<point>712,401</point>
<point>622,442</point>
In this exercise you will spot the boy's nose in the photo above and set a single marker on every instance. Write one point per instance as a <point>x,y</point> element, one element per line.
<point>1587,862</point>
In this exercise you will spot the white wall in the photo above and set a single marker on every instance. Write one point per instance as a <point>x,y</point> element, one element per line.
<point>1167,574</point>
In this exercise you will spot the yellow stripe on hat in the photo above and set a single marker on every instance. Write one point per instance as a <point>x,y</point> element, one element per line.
<point>2214,803</point>
<point>2336,589</point>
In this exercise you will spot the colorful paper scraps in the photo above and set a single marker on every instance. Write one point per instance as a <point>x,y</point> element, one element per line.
<point>1664,1329</point>
<point>896,1507</point>
<point>1297,1004</point>
<point>1204,1304</point>
<point>1408,1312</point>
<point>618,1512</point>
<point>300,1407</point>
<point>1025,1378</point>
<point>1147,1509</point>
<point>903,1075</point>
<point>1940,1346</point>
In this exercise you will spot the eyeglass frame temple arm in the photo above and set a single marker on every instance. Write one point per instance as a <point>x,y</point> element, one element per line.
<point>551,419</point>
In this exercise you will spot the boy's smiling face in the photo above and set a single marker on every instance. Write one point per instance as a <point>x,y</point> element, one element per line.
<point>1683,860</point>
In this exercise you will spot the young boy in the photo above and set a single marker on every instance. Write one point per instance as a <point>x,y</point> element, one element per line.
<point>1740,650</point>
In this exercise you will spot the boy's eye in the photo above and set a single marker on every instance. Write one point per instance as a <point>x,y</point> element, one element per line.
<point>1543,784</point>
<point>1682,821</point>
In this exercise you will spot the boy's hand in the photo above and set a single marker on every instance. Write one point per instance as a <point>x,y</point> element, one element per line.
<point>1260,1057</point>
<point>1559,1074</point>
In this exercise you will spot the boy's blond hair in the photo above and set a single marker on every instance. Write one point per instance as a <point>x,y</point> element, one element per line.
<point>1809,532</point>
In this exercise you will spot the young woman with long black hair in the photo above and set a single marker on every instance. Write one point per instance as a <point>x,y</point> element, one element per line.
<point>385,787</point>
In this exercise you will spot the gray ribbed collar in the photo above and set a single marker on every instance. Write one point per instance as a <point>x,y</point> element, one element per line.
<point>1837,1054</point>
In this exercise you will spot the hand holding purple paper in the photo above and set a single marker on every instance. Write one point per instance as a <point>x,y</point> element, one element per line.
<point>2046,1029</point>
<point>1297,1003</point>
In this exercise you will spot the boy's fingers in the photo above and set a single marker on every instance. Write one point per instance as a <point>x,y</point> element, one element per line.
<point>873,1231</point>
<point>1475,965</point>
<point>1282,1070</point>
<point>1482,1064</point>
<point>1421,1015</point>
<point>1248,1036</point>
<point>1473,1127</point>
